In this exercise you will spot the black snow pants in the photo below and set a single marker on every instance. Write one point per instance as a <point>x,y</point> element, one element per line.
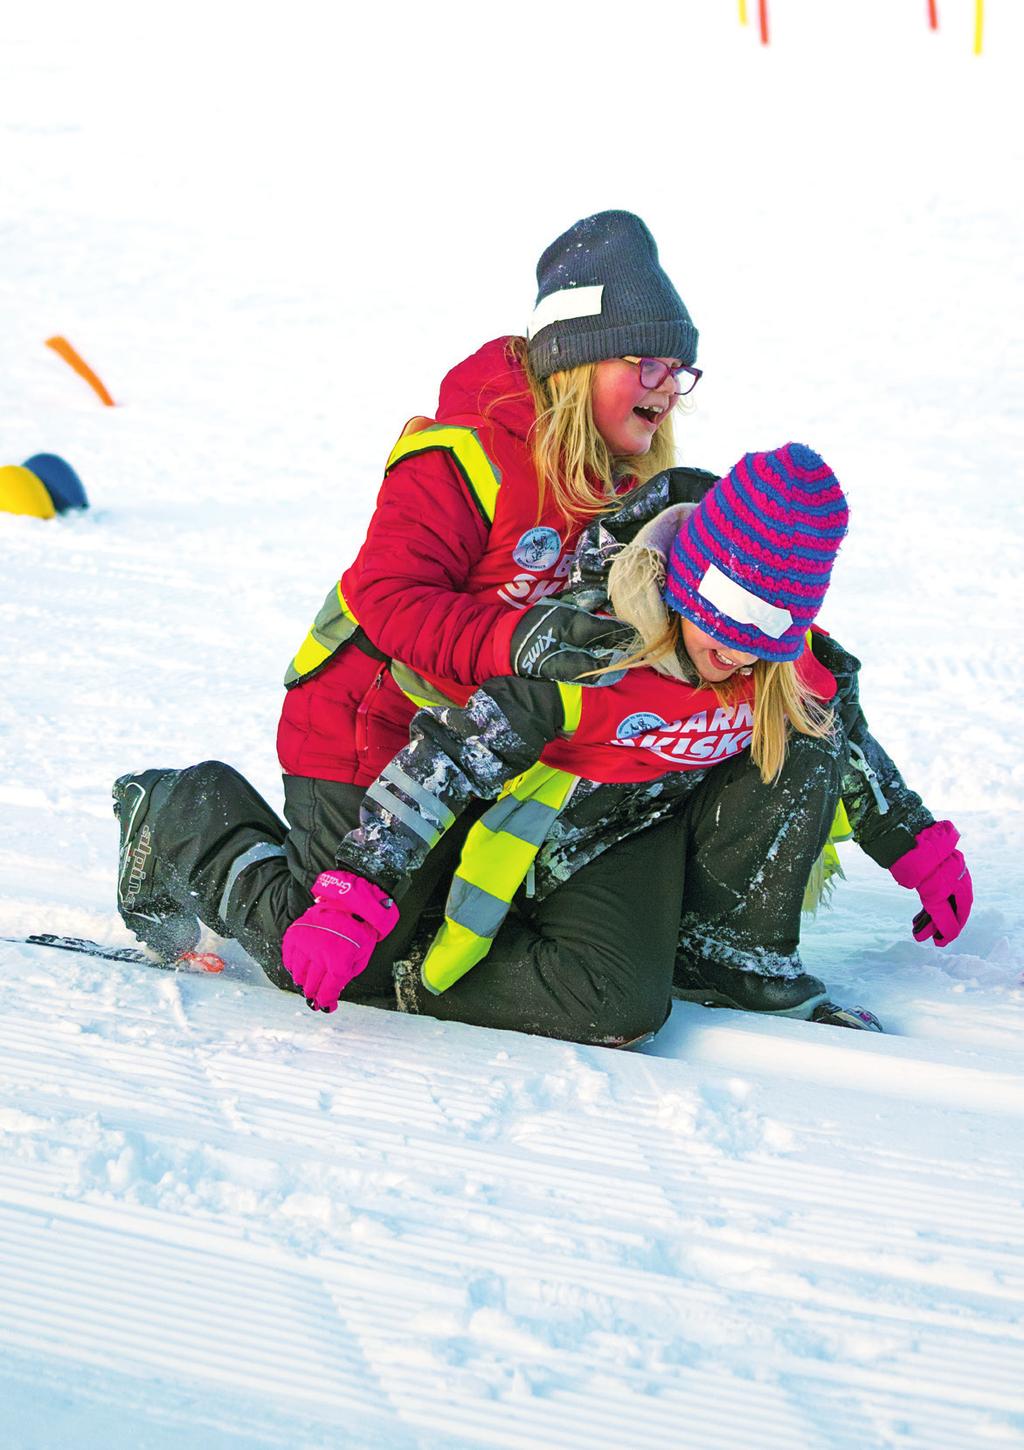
<point>594,960</point>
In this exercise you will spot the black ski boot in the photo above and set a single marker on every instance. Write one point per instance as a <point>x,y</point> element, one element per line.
<point>718,984</point>
<point>144,902</point>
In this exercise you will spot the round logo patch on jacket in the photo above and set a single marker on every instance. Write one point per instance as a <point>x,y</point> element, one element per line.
<point>639,723</point>
<point>537,549</point>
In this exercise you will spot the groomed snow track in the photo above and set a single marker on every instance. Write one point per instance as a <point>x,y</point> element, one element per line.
<point>224,1221</point>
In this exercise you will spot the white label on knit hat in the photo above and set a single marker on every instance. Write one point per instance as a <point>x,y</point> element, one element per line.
<point>562,306</point>
<point>732,600</point>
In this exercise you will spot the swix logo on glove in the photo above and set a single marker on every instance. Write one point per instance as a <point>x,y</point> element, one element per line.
<point>539,648</point>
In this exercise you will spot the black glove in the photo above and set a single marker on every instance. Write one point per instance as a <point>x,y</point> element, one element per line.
<point>689,485</point>
<point>557,641</point>
<point>587,580</point>
<point>602,539</point>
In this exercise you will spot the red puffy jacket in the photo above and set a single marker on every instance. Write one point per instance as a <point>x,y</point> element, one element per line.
<point>433,586</point>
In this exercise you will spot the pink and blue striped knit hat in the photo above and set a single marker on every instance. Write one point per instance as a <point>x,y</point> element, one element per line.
<point>751,564</point>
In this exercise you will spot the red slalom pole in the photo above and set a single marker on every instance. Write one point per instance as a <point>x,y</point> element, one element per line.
<point>763,14</point>
<point>933,14</point>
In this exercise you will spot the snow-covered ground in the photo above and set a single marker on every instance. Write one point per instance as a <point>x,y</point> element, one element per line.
<point>226,1221</point>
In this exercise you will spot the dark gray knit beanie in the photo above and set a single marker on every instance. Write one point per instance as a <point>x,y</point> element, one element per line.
<point>602,293</point>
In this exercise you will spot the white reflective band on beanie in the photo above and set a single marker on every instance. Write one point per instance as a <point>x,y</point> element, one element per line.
<point>732,600</point>
<point>563,306</point>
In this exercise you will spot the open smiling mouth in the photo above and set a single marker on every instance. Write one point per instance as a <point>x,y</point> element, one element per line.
<point>650,415</point>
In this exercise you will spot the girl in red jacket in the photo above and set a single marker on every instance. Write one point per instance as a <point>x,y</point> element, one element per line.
<point>475,526</point>
<point>480,511</point>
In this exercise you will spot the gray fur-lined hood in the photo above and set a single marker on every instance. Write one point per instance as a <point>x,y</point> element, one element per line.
<point>636,580</point>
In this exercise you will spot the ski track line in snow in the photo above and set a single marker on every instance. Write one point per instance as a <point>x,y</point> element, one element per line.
<point>941,1074</point>
<point>273,1298</point>
<point>233,1335</point>
<point>898,1249</point>
<point>113,1062</point>
<point>584,1220</point>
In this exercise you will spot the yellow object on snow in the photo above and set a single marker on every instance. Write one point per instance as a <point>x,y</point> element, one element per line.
<point>22,493</point>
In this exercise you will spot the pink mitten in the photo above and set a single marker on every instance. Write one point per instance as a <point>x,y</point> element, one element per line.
<point>938,873</point>
<point>332,942</point>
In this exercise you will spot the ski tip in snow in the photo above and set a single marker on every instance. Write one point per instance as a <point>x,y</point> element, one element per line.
<point>858,1018</point>
<point>199,962</point>
<point>186,962</point>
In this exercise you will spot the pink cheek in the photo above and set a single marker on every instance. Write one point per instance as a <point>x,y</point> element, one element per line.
<point>613,413</point>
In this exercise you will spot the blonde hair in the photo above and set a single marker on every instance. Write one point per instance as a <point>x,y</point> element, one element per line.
<point>782,701</point>
<point>573,463</point>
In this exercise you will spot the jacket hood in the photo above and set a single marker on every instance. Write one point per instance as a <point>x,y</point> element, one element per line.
<point>636,581</point>
<point>491,383</point>
<point>658,533</point>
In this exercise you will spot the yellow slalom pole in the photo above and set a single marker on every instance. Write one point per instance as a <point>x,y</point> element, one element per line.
<point>743,12</point>
<point>979,24</point>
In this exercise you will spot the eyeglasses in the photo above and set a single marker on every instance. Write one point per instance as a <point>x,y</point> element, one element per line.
<point>653,372</point>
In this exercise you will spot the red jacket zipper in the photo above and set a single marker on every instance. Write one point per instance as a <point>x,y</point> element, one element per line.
<point>362,729</point>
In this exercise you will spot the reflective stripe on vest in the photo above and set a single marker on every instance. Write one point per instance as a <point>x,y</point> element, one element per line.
<point>415,688</point>
<point>481,477</point>
<point>496,858</point>
<point>336,624</point>
<point>828,864</point>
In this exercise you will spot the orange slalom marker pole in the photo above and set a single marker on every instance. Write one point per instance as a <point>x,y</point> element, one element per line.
<point>63,349</point>
<point>979,24</point>
<point>933,15</point>
<point>743,12</point>
<point>763,13</point>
